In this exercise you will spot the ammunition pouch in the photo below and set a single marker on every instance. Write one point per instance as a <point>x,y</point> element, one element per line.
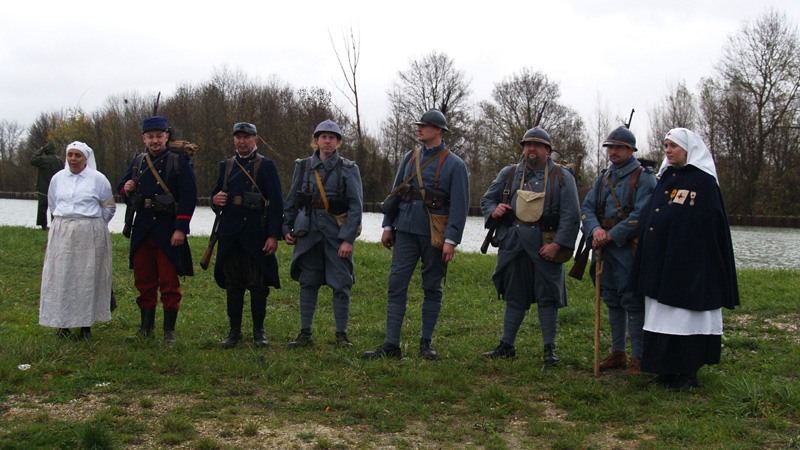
<point>391,205</point>
<point>409,193</point>
<point>549,223</point>
<point>303,199</point>
<point>135,201</point>
<point>436,198</point>
<point>337,206</point>
<point>252,201</point>
<point>164,203</point>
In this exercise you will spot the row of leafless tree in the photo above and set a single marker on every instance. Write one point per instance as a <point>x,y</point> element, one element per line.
<point>748,113</point>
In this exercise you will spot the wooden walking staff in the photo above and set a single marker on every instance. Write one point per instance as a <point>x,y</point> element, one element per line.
<point>598,270</point>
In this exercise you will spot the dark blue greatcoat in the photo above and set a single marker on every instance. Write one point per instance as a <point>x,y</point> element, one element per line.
<point>242,225</point>
<point>685,254</point>
<point>160,226</point>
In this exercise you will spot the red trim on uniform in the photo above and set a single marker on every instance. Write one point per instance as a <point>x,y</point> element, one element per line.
<point>184,217</point>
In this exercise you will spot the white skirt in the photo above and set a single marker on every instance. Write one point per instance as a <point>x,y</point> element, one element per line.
<point>665,319</point>
<point>76,278</point>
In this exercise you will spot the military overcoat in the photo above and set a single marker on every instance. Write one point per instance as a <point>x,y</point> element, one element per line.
<point>341,179</point>
<point>517,239</point>
<point>178,175</point>
<point>243,225</point>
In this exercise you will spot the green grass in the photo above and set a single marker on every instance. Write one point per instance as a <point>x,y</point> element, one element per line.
<point>109,394</point>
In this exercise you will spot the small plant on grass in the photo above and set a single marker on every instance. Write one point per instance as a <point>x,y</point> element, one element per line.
<point>176,430</point>
<point>95,436</point>
<point>207,444</point>
<point>250,429</point>
<point>146,402</point>
<point>305,437</point>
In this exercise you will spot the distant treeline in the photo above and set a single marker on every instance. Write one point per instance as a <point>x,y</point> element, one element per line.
<point>747,112</point>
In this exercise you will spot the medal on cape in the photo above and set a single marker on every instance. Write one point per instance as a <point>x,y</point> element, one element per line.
<point>672,196</point>
<point>680,197</point>
<point>692,196</point>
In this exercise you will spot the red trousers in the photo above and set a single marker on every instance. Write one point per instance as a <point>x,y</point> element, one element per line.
<point>152,269</point>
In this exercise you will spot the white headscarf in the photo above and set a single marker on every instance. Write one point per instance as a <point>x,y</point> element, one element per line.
<point>697,153</point>
<point>87,152</point>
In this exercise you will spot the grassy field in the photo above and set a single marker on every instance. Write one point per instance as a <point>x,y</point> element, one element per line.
<point>192,395</point>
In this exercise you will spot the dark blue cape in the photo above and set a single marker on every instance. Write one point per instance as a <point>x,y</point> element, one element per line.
<point>685,256</point>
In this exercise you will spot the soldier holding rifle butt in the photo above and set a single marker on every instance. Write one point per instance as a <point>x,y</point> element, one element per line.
<point>248,196</point>
<point>611,215</point>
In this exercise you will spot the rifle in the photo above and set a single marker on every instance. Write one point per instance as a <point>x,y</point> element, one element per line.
<point>598,270</point>
<point>131,198</point>
<point>581,258</point>
<point>212,241</point>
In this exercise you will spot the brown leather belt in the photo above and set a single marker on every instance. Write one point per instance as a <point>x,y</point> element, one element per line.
<point>237,200</point>
<point>608,223</point>
<point>148,203</point>
<point>319,204</point>
<point>415,195</point>
<point>522,222</point>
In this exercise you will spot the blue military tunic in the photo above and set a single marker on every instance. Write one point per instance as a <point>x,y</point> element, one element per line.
<point>619,255</point>
<point>453,180</point>
<point>549,282</point>
<point>160,226</point>
<point>243,225</point>
<point>342,180</point>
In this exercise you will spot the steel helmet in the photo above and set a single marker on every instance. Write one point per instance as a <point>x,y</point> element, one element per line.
<point>536,134</point>
<point>328,126</point>
<point>435,118</point>
<point>621,136</point>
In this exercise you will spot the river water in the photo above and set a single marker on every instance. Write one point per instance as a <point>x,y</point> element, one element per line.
<point>756,247</point>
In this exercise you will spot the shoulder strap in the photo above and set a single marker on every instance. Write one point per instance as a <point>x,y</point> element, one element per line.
<point>158,177</point>
<point>250,177</point>
<point>172,163</point>
<point>634,184</point>
<point>509,182</point>
<point>442,157</point>
<point>137,167</point>
<point>228,169</point>
<point>400,186</point>
<point>256,166</point>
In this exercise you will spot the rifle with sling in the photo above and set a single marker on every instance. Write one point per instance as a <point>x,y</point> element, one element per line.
<point>212,239</point>
<point>134,199</point>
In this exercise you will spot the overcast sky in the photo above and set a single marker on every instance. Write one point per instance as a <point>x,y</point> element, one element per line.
<point>60,54</point>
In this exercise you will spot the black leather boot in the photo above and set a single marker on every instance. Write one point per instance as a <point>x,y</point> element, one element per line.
<point>384,351</point>
<point>233,338</point>
<point>170,317</point>
<point>259,339</point>
<point>145,330</point>
<point>502,351</point>
<point>684,382</point>
<point>426,350</point>
<point>303,339</point>
<point>342,341</point>
<point>85,334</point>
<point>550,356</point>
<point>63,333</point>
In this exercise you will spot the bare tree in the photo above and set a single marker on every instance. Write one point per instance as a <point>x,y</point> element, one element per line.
<point>352,52</point>
<point>432,82</point>
<point>677,109</point>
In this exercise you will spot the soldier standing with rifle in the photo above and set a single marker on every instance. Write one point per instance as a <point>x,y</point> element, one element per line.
<point>160,186</point>
<point>542,205</point>
<point>249,200</point>
<point>610,215</point>
<point>48,163</point>
<point>426,222</point>
<point>326,189</point>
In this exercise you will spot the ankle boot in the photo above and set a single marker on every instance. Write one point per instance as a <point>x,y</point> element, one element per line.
<point>502,351</point>
<point>550,356</point>
<point>170,317</point>
<point>384,351</point>
<point>85,334</point>
<point>426,350</point>
<point>233,338</point>
<point>145,330</point>
<point>259,339</point>
<point>614,360</point>
<point>341,339</point>
<point>303,339</point>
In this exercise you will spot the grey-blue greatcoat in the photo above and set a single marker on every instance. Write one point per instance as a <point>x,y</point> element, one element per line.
<point>344,182</point>
<point>618,256</point>
<point>516,239</point>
